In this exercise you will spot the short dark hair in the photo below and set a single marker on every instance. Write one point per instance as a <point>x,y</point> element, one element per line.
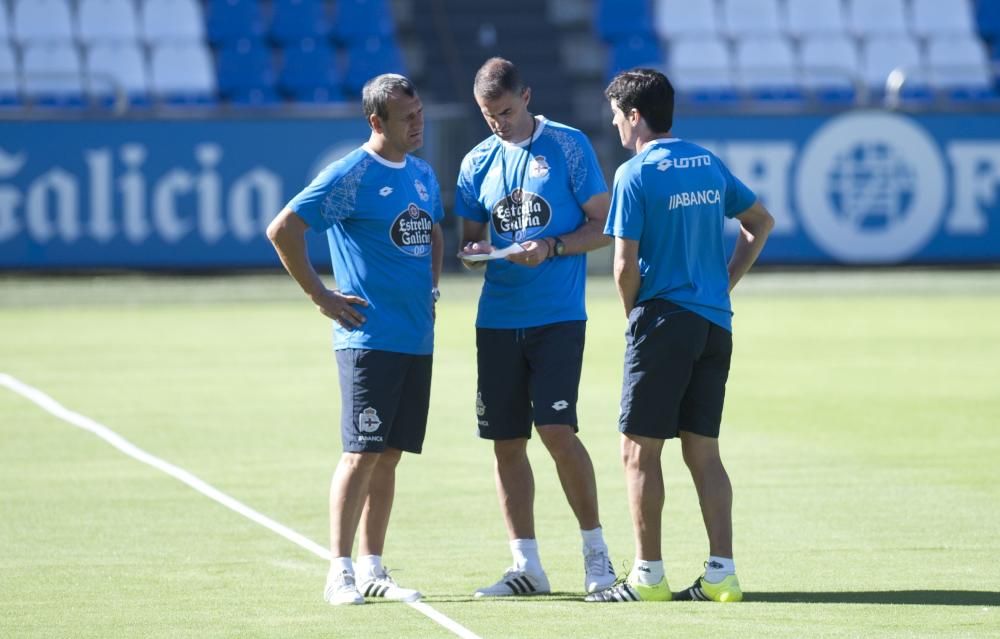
<point>378,91</point>
<point>496,77</point>
<point>647,91</point>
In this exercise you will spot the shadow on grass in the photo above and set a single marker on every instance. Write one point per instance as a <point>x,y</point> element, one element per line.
<point>904,597</point>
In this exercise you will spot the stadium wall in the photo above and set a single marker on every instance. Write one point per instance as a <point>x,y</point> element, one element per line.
<point>861,187</point>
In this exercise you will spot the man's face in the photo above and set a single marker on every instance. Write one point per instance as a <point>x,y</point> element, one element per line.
<point>404,128</point>
<point>624,125</point>
<point>506,114</point>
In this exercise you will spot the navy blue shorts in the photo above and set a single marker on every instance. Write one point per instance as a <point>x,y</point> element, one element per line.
<point>528,374</point>
<point>385,397</point>
<point>676,367</point>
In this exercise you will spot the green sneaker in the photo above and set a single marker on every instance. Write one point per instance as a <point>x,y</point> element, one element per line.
<point>727,590</point>
<point>627,591</point>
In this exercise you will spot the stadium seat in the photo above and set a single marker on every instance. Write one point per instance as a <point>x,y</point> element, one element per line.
<point>882,55</point>
<point>808,18</point>
<point>52,74</point>
<point>106,20</point>
<point>230,20</point>
<point>117,67</point>
<point>876,17</point>
<point>635,51</point>
<point>246,73</point>
<point>700,69</point>
<point>309,72</point>
<point>294,20</point>
<point>748,18</point>
<point>10,78</point>
<point>368,58</point>
<point>172,21</point>
<point>682,18</point>
<point>959,67</point>
<point>988,18</point>
<point>766,69</point>
<point>5,24</point>
<point>829,66</point>
<point>42,21</point>
<point>181,72</point>
<point>616,20</point>
<point>931,18</point>
<point>357,20</point>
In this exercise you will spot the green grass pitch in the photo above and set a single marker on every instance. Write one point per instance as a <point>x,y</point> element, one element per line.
<point>862,434</point>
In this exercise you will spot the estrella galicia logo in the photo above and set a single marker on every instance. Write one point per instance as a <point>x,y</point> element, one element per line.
<point>520,215</point>
<point>411,231</point>
<point>871,188</point>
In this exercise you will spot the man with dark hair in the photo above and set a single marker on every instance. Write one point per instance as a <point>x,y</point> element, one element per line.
<point>533,190</point>
<point>381,209</point>
<point>668,206</point>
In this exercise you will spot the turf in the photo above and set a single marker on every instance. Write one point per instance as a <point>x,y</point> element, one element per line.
<point>860,433</point>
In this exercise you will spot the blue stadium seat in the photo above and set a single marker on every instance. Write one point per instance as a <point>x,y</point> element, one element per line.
<point>294,20</point>
<point>245,73</point>
<point>368,58</point>
<point>309,72</point>
<point>988,18</point>
<point>635,51</point>
<point>10,79</point>
<point>616,20</point>
<point>230,20</point>
<point>357,20</point>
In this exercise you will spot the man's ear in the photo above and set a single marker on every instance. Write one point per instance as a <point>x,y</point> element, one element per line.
<point>526,94</point>
<point>375,123</point>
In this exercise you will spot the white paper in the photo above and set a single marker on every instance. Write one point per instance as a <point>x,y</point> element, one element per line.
<point>495,254</point>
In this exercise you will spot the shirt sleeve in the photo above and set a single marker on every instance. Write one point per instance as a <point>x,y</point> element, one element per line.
<point>467,196</point>
<point>330,197</point>
<point>628,206</point>
<point>739,197</point>
<point>587,177</point>
<point>437,209</point>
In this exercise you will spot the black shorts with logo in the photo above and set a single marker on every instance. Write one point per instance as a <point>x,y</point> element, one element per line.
<point>676,367</point>
<point>528,375</point>
<point>385,397</point>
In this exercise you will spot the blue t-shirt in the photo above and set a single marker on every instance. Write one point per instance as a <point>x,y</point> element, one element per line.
<point>378,217</point>
<point>524,200</point>
<point>673,198</point>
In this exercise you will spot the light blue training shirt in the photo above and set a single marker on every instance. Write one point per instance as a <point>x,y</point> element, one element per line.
<point>523,199</point>
<point>378,216</point>
<point>673,198</point>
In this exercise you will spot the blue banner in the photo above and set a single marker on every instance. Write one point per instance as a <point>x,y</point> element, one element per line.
<point>862,187</point>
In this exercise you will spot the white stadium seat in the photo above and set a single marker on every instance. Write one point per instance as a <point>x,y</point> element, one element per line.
<point>745,18</point>
<point>807,18</point>
<point>937,18</point>
<point>957,62</point>
<point>172,21</point>
<point>700,63</point>
<point>765,61</point>
<point>184,69</point>
<point>52,69</point>
<point>829,62</point>
<point>10,78</point>
<point>113,66</point>
<point>107,20</point>
<point>5,24</point>
<point>877,17</point>
<point>880,56</point>
<point>683,18</point>
<point>42,21</point>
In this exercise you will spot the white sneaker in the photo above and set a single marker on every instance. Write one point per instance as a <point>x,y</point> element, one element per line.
<point>341,589</point>
<point>382,585</point>
<point>599,572</point>
<point>516,582</point>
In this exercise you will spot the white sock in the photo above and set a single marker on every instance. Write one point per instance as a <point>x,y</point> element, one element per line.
<point>340,564</point>
<point>593,539</point>
<point>718,568</point>
<point>648,573</point>
<point>369,565</point>
<point>525,552</point>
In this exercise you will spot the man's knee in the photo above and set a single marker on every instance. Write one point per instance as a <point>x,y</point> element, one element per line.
<point>640,453</point>
<point>559,439</point>
<point>510,450</point>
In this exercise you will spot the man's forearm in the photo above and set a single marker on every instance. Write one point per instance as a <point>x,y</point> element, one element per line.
<point>588,237</point>
<point>627,281</point>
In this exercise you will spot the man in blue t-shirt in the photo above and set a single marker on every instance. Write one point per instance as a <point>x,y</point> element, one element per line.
<point>534,192</point>
<point>668,206</point>
<point>380,208</point>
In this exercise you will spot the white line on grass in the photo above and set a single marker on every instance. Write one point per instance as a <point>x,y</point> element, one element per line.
<point>81,421</point>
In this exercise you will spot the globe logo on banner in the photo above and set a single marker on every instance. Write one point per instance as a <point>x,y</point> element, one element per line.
<point>871,188</point>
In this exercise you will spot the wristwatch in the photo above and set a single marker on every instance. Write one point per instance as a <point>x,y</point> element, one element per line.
<point>435,294</point>
<point>560,247</point>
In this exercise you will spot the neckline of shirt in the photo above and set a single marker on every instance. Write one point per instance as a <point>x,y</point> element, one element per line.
<point>542,121</point>
<point>381,160</point>
<point>662,141</point>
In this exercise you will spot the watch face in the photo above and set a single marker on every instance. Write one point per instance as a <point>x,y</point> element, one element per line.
<point>560,247</point>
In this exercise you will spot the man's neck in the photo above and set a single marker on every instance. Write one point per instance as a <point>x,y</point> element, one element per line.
<point>643,140</point>
<point>378,144</point>
<point>525,130</point>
